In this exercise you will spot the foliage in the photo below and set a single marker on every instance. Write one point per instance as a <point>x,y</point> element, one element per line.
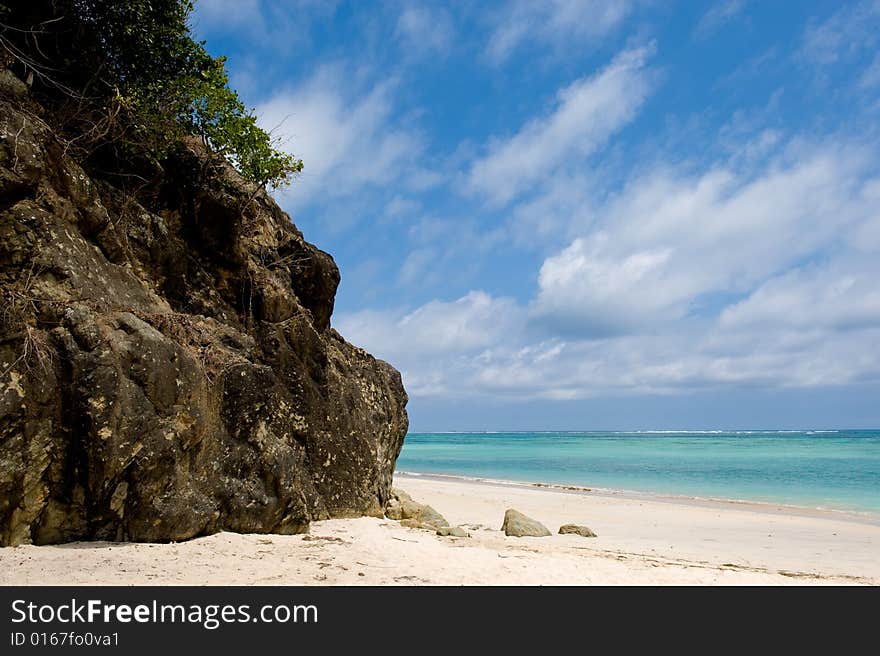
<point>131,78</point>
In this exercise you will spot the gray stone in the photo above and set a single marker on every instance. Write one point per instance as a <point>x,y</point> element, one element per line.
<point>427,515</point>
<point>518,525</point>
<point>453,531</point>
<point>400,507</point>
<point>583,531</point>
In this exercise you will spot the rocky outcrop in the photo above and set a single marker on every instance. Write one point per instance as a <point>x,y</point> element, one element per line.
<point>577,529</point>
<point>518,525</point>
<point>168,368</point>
<point>410,513</point>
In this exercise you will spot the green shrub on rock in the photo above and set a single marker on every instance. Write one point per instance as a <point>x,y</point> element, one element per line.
<point>126,81</point>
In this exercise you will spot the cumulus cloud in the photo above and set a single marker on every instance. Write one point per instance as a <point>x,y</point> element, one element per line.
<point>585,114</point>
<point>757,269</point>
<point>474,321</point>
<point>347,140</point>
<point>667,241</point>
<point>673,362</point>
<point>442,347</point>
<point>841,296</point>
<point>554,22</point>
<point>496,363</point>
<point>590,291</point>
<point>784,255</point>
<point>432,342</point>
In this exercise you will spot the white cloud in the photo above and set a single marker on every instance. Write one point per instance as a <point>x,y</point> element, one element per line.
<point>413,269</point>
<point>850,30</point>
<point>228,15</point>
<point>506,364</point>
<point>589,291</point>
<point>564,202</point>
<point>758,270</point>
<point>666,241</point>
<point>719,14</point>
<point>555,22</point>
<point>790,249</point>
<point>424,30</point>
<point>871,76</point>
<point>400,207</point>
<point>445,252</point>
<point>276,25</point>
<point>471,322</point>
<point>438,338</point>
<point>865,238</point>
<point>842,295</point>
<point>348,141</point>
<point>586,113</point>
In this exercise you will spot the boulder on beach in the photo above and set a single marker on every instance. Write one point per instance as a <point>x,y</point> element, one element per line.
<point>400,507</point>
<point>518,525</point>
<point>576,529</point>
<point>168,367</point>
<point>453,532</point>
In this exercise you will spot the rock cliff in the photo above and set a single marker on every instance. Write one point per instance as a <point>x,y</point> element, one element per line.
<point>168,368</point>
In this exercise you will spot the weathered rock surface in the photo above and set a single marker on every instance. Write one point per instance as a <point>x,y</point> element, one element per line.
<point>576,529</point>
<point>518,525</point>
<point>402,508</point>
<point>453,531</point>
<point>170,371</point>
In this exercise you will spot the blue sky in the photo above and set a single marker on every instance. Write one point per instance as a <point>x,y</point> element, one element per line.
<point>587,214</point>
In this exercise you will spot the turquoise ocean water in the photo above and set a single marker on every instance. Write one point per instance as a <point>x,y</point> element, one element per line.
<point>827,469</point>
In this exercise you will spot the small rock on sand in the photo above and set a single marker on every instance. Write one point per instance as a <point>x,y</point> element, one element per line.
<point>583,531</point>
<point>401,507</point>
<point>453,531</point>
<point>518,525</point>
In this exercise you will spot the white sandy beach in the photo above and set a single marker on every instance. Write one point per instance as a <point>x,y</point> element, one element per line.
<point>642,541</point>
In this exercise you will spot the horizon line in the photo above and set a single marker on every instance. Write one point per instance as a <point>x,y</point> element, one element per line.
<point>646,430</point>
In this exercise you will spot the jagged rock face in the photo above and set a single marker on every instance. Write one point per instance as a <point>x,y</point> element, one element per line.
<point>171,373</point>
